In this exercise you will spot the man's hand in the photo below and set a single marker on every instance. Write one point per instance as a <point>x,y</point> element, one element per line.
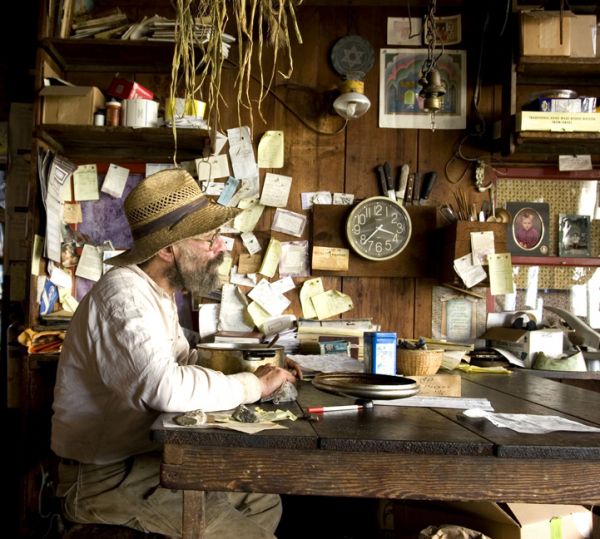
<point>271,378</point>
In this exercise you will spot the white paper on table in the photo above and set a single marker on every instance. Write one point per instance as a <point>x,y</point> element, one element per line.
<point>241,152</point>
<point>310,288</point>
<point>270,150</point>
<point>276,190</point>
<point>283,285</point>
<point>250,242</point>
<point>115,180</point>
<point>213,167</point>
<point>208,318</point>
<point>288,222</point>
<point>85,183</point>
<point>232,315</point>
<point>470,273</point>
<point>272,302</point>
<point>90,263</point>
<point>437,402</point>
<point>530,423</point>
<point>328,362</point>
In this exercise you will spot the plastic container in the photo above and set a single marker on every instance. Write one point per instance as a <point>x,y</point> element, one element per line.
<point>113,112</point>
<point>380,352</point>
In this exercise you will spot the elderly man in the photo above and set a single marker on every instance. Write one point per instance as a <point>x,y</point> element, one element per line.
<point>125,360</point>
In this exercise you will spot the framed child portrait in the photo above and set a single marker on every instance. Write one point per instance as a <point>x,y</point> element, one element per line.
<point>528,230</point>
<point>573,235</point>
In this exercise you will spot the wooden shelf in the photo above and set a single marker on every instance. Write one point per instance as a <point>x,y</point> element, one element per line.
<point>123,144</point>
<point>586,70</point>
<point>112,55</point>
<point>555,261</point>
<point>547,142</point>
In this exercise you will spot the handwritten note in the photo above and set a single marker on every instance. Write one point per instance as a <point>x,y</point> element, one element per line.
<point>271,260</point>
<point>115,180</point>
<point>85,183</point>
<point>310,288</point>
<point>246,221</point>
<point>330,303</point>
<point>276,190</point>
<point>210,168</point>
<point>288,222</point>
<point>241,152</point>
<point>501,280</point>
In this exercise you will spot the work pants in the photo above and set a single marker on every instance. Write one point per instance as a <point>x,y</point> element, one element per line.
<point>128,494</point>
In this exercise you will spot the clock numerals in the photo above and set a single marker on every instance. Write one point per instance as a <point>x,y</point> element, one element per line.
<point>378,228</point>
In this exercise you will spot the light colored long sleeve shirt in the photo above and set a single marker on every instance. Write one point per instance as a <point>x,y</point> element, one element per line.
<point>125,360</point>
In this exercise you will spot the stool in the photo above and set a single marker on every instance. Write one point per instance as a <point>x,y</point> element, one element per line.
<point>104,531</point>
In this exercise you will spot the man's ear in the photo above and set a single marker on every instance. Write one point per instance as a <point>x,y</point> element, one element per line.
<point>166,254</point>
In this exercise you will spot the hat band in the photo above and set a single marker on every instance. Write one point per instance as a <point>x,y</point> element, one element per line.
<point>170,219</point>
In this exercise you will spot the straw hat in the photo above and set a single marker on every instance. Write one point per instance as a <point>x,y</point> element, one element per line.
<point>165,208</point>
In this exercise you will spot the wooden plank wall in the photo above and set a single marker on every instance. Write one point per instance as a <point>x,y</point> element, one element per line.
<point>345,162</point>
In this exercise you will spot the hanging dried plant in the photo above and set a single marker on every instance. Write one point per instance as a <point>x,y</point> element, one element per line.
<point>198,61</point>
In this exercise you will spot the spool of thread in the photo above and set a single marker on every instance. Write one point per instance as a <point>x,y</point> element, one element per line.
<point>113,112</point>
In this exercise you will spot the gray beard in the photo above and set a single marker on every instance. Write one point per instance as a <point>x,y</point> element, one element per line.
<point>198,281</point>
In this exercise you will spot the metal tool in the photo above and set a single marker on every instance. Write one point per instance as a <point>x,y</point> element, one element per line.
<point>387,170</point>
<point>416,187</point>
<point>428,181</point>
<point>409,189</point>
<point>382,181</point>
<point>402,181</point>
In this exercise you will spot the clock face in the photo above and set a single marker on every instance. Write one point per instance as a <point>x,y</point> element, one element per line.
<point>378,228</point>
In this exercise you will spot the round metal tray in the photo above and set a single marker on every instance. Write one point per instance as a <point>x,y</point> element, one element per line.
<point>371,386</point>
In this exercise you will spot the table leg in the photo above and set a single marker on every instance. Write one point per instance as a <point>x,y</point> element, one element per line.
<point>193,514</point>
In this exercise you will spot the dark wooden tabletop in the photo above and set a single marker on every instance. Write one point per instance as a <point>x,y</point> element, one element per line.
<point>429,431</point>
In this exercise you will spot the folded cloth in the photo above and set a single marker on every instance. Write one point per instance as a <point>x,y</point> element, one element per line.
<point>42,342</point>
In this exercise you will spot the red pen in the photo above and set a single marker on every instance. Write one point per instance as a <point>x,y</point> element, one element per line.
<point>343,408</point>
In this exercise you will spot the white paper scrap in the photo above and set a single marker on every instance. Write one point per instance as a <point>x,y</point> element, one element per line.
<point>115,180</point>
<point>241,152</point>
<point>276,190</point>
<point>438,402</point>
<point>210,168</point>
<point>250,242</point>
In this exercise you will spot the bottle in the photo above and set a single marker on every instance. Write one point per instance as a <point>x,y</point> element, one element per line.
<point>100,117</point>
<point>113,112</point>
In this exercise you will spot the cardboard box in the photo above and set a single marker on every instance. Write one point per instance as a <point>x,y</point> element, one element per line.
<point>541,33</point>
<point>70,104</point>
<point>496,520</point>
<point>583,36</point>
<point>525,344</point>
<point>127,89</point>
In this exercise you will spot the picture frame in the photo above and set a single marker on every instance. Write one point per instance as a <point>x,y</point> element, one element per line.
<point>574,235</point>
<point>399,103</point>
<point>407,31</point>
<point>448,30</point>
<point>528,233</point>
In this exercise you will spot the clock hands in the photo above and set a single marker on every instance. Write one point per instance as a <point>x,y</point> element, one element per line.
<point>372,234</point>
<point>386,231</point>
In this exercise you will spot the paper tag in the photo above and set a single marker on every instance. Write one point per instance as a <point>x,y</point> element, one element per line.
<point>330,258</point>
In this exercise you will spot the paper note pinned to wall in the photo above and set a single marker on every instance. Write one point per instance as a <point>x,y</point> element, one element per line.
<point>270,150</point>
<point>271,260</point>
<point>85,183</point>
<point>310,288</point>
<point>90,263</point>
<point>276,190</point>
<point>241,152</point>
<point>232,315</point>
<point>249,263</point>
<point>257,314</point>
<point>72,213</point>
<point>228,191</point>
<point>115,180</point>
<point>246,221</point>
<point>330,258</point>
<point>330,303</point>
<point>501,278</point>
<point>209,168</point>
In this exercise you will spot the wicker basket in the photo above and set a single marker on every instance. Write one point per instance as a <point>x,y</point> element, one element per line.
<point>418,362</point>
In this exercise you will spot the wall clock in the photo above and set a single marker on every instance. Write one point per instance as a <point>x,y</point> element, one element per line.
<point>378,228</point>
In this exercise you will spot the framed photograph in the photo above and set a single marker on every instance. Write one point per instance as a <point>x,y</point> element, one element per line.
<point>405,31</point>
<point>528,230</point>
<point>573,235</point>
<point>399,103</point>
<point>447,30</point>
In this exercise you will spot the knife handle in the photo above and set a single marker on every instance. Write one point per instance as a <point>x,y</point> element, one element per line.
<point>402,180</point>
<point>382,183</point>
<point>387,169</point>
<point>416,187</point>
<point>428,181</point>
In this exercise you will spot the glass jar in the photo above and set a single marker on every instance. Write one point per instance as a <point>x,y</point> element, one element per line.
<point>113,112</point>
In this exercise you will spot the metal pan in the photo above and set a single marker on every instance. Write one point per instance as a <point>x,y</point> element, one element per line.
<point>364,385</point>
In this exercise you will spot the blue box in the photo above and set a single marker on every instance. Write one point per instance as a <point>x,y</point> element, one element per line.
<point>380,352</point>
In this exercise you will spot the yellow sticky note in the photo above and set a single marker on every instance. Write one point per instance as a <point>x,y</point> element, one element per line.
<point>310,288</point>
<point>271,260</point>
<point>225,269</point>
<point>69,303</point>
<point>270,150</point>
<point>258,314</point>
<point>331,303</point>
<point>500,270</point>
<point>246,221</point>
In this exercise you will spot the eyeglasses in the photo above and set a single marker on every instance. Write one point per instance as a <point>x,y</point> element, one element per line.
<point>211,241</point>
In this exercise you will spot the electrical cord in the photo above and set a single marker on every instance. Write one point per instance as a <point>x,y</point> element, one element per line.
<point>288,108</point>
